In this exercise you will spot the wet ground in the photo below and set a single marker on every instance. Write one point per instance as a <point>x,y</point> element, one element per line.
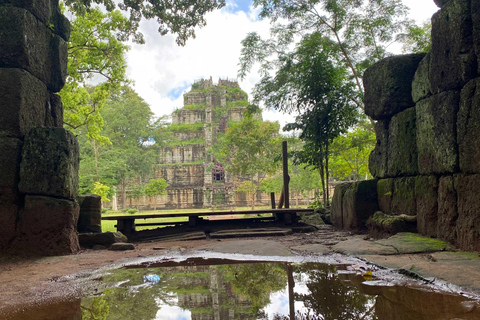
<point>79,286</point>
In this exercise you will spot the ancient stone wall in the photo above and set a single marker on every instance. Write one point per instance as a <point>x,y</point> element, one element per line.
<point>182,176</point>
<point>182,154</point>
<point>427,112</point>
<point>187,116</point>
<point>38,158</point>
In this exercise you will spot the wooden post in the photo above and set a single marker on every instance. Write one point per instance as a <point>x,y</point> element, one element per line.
<point>286,177</point>
<point>272,199</point>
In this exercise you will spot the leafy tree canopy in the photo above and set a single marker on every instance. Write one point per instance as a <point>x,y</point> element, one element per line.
<point>179,17</point>
<point>357,32</point>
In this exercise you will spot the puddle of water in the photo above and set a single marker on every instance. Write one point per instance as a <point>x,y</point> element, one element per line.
<point>221,289</point>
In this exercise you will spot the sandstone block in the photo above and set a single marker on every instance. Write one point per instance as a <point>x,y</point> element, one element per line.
<point>54,112</point>
<point>27,43</point>
<point>105,239</point>
<point>23,102</point>
<point>8,215</point>
<point>436,133</point>
<point>421,86</point>
<point>377,162</point>
<point>385,195</point>
<point>426,195</point>
<point>475,11</point>
<point>90,219</point>
<point>447,210</point>
<point>403,199</point>
<point>10,156</point>
<point>337,201</point>
<point>50,163</point>
<point>46,11</point>
<point>468,206</point>
<point>48,226</point>
<point>402,147</point>
<point>388,85</point>
<point>359,203</point>
<point>453,61</point>
<point>468,128</point>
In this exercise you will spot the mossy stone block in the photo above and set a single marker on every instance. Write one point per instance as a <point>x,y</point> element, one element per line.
<point>447,209</point>
<point>436,133</point>
<point>23,102</point>
<point>50,163</point>
<point>468,128</point>
<point>402,146</point>
<point>426,198</point>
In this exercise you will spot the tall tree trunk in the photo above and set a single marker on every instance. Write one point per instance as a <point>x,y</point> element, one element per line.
<point>95,154</point>
<point>124,194</point>
<point>253,194</point>
<point>327,174</point>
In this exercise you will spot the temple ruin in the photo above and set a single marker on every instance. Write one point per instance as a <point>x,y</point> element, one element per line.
<point>188,164</point>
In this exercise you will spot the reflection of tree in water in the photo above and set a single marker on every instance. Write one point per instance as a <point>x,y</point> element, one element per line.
<point>207,291</point>
<point>258,281</point>
<point>329,298</point>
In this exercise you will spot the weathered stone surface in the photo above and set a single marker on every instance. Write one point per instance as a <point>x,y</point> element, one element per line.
<point>380,224</point>
<point>440,3</point>
<point>337,201</point>
<point>468,206</point>
<point>402,146</point>
<point>468,128</point>
<point>453,61</point>
<point>447,210</point>
<point>46,11</point>
<point>388,85</point>
<point>421,86</point>
<point>377,162</point>
<point>8,215</point>
<point>122,246</point>
<point>403,199</point>
<point>475,11</point>
<point>358,247</point>
<point>106,239</point>
<point>436,133</point>
<point>426,195</point>
<point>23,102</point>
<point>10,156</point>
<point>359,203</point>
<point>406,242</point>
<point>90,219</point>
<point>47,226</point>
<point>54,112</point>
<point>50,163</point>
<point>385,195</point>
<point>27,43</point>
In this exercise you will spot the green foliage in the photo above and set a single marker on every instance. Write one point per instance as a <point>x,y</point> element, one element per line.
<point>357,34</point>
<point>155,187</point>
<point>102,190</point>
<point>94,50</point>
<point>179,17</point>
<point>185,142</point>
<point>418,39</point>
<point>185,127</point>
<point>350,153</point>
<point>192,107</point>
<point>95,308</point>
<point>131,211</point>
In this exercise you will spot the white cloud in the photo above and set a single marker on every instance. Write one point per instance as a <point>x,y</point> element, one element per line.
<point>160,66</point>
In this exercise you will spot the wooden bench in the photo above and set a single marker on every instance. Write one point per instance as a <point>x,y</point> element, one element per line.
<point>126,223</point>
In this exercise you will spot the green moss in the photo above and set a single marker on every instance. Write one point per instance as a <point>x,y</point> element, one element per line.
<point>185,127</point>
<point>186,142</point>
<point>194,106</point>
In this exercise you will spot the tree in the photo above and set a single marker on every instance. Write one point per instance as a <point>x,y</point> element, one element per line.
<point>249,148</point>
<point>357,32</point>
<point>418,39</point>
<point>350,153</point>
<point>95,52</point>
<point>135,138</point>
<point>309,81</point>
<point>155,187</point>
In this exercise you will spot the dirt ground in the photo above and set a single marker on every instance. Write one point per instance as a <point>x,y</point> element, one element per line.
<point>38,280</point>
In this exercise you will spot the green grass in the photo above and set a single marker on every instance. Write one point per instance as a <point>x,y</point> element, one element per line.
<point>109,225</point>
